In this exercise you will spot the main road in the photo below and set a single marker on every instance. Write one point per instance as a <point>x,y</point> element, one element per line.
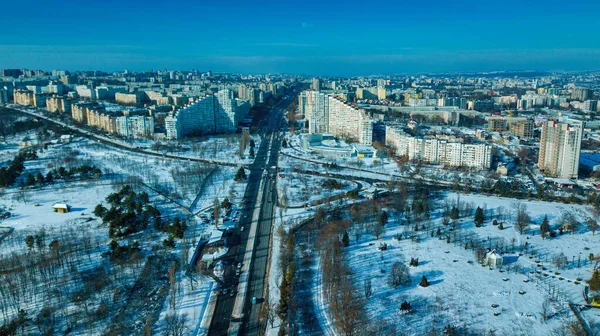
<point>261,169</point>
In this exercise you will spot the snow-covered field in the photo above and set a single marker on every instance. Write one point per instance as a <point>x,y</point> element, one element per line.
<point>295,189</point>
<point>462,291</point>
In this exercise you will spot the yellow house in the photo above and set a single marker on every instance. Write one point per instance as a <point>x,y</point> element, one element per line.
<point>61,207</point>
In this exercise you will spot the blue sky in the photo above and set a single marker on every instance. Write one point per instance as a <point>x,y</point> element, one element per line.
<point>309,37</point>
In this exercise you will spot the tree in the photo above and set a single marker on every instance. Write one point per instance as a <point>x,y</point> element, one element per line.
<point>345,239</point>
<point>252,152</point>
<point>49,177</point>
<point>30,179</point>
<point>169,242</point>
<point>99,211</point>
<point>399,275</point>
<point>592,225</point>
<point>424,282</point>
<point>252,144</point>
<point>522,218</point>
<point>383,218</point>
<point>405,307</point>
<point>39,178</point>
<point>29,241</point>
<point>240,175</point>
<point>560,260</point>
<point>544,227</point>
<point>595,280</point>
<point>368,287</point>
<point>445,221</point>
<point>479,217</point>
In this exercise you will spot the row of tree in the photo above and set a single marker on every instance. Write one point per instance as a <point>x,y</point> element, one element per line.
<point>11,172</point>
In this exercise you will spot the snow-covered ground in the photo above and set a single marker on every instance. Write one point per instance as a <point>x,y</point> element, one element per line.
<point>296,190</point>
<point>462,291</point>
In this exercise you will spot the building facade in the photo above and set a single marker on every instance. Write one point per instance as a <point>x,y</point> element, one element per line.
<point>58,104</point>
<point>438,151</point>
<point>332,114</point>
<point>560,147</point>
<point>220,113</point>
<point>135,126</point>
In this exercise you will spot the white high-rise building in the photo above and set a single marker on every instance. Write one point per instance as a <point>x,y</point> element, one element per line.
<point>218,113</point>
<point>560,147</point>
<point>332,114</point>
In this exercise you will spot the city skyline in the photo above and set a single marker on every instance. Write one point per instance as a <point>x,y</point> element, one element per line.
<point>311,38</point>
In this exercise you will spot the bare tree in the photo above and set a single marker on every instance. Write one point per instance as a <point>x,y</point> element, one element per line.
<point>592,225</point>
<point>399,275</point>
<point>522,219</point>
<point>368,287</point>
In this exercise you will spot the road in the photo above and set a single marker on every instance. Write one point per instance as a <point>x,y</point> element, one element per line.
<point>266,157</point>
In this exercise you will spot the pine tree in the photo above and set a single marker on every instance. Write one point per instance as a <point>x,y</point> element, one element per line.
<point>240,175</point>
<point>252,152</point>
<point>345,239</point>
<point>424,282</point>
<point>479,217</point>
<point>544,227</point>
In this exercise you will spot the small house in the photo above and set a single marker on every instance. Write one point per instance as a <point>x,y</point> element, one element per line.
<point>493,259</point>
<point>61,207</point>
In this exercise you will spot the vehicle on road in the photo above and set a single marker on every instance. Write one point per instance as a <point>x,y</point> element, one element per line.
<point>225,290</point>
<point>237,272</point>
<point>239,265</point>
<point>242,229</point>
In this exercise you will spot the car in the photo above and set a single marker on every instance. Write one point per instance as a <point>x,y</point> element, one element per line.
<point>224,291</point>
<point>237,272</point>
<point>232,293</point>
<point>242,229</point>
<point>239,265</point>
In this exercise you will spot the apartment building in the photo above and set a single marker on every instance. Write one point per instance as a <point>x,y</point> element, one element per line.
<point>29,98</point>
<point>127,98</point>
<point>220,113</point>
<point>58,104</point>
<point>438,151</point>
<point>329,113</point>
<point>560,147</point>
<point>517,126</point>
<point>135,126</point>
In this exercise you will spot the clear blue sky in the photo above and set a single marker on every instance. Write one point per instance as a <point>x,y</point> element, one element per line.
<point>325,37</point>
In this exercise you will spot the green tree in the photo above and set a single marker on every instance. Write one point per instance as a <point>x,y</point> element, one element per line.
<point>252,144</point>
<point>39,178</point>
<point>595,280</point>
<point>544,227</point>
<point>30,179</point>
<point>29,241</point>
<point>99,211</point>
<point>345,239</point>
<point>240,175</point>
<point>169,242</point>
<point>479,217</point>
<point>252,152</point>
<point>424,282</point>
<point>49,177</point>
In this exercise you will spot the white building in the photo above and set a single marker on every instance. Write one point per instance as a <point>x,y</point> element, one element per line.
<point>560,147</point>
<point>220,113</point>
<point>438,151</point>
<point>135,126</point>
<point>332,114</point>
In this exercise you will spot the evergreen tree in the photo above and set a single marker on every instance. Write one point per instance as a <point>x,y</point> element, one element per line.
<point>29,241</point>
<point>544,227</point>
<point>479,217</point>
<point>49,177</point>
<point>252,152</point>
<point>39,178</point>
<point>345,239</point>
<point>240,175</point>
<point>252,144</point>
<point>30,179</point>
<point>405,307</point>
<point>424,282</point>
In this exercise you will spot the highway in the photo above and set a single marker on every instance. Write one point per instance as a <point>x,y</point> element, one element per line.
<point>260,169</point>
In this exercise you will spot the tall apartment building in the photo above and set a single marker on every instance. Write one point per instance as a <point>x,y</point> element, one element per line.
<point>135,126</point>
<point>4,98</point>
<point>314,105</point>
<point>218,113</point>
<point>248,93</point>
<point>581,94</point>
<point>315,84</point>
<point>517,126</point>
<point>438,151</point>
<point>79,111</point>
<point>12,73</point>
<point>58,104</point>
<point>560,147</point>
<point>332,114</point>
